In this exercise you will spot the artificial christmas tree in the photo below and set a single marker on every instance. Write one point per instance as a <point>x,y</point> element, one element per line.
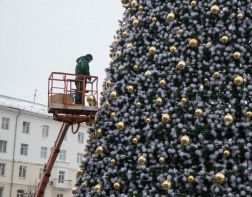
<point>176,115</point>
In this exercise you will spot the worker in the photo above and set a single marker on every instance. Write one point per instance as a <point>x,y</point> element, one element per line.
<point>82,68</point>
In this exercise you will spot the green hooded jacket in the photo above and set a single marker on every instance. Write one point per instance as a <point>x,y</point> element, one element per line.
<point>82,66</point>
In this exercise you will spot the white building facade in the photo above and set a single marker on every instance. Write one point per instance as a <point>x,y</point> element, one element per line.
<point>27,134</point>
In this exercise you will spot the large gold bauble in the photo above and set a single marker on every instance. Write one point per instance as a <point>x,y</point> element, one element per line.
<point>229,118</point>
<point>138,104</point>
<point>147,120</point>
<point>238,80</point>
<point>129,46</point>
<point>79,172</point>
<point>216,75</point>
<point>91,100</point>
<point>74,190</point>
<point>141,160</point>
<point>147,73</point>
<point>185,140</point>
<point>120,126</point>
<point>133,3</point>
<point>118,54</point>
<point>224,39</point>
<point>135,67</point>
<point>162,82</point>
<point>152,50</point>
<point>181,65</point>
<point>133,18</point>
<point>117,186</point>
<point>191,179</point>
<point>134,140</point>
<point>219,178</point>
<point>183,101</point>
<point>249,114</point>
<point>240,16</point>
<point>141,8</point>
<point>208,44</point>
<point>199,112</point>
<point>215,9</point>
<point>181,31</point>
<point>130,88</point>
<point>106,104</point>
<point>193,43</point>
<point>161,160</point>
<point>97,187</point>
<point>125,34</point>
<point>154,19</point>
<point>136,23</point>
<point>112,114</point>
<point>98,133</point>
<point>159,101</point>
<point>237,55</point>
<point>166,185</point>
<point>193,3</point>
<point>113,95</point>
<point>115,42</point>
<point>99,150</point>
<point>108,84</point>
<point>113,162</point>
<point>173,49</point>
<point>84,184</point>
<point>170,17</point>
<point>166,118</point>
<point>226,153</point>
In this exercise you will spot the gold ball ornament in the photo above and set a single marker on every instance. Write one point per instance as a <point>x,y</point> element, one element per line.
<point>120,126</point>
<point>249,114</point>
<point>206,81</point>
<point>193,43</point>
<point>99,150</point>
<point>97,187</point>
<point>237,55</point>
<point>129,46</point>
<point>191,179</point>
<point>208,44</point>
<point>74,190</point>
<point>141,8</point>
<point>118,54</point>
<point>113,95</point>
<point>112,114</point>
<point>125,34</point>
<point>138,104</point>
<point>224,39</point>
<point>135,67</point>
<point>173,49</point>
<point>161,160</point>
<point>170,17</point>
<point>185,140</point>
<point>240,16</point>
<point>106,104</point>
<point>181,65</point>
<point>91,100</point>
<point>199,112</point>
<point>147,120</point>
<point>154,19</point>
<point>162,82</point>
<point>98,133</point>
<point>219,178</point>
<point>193,3</point>
<point>183,101</point>
<point>181,31</point>
<point>133,3</point>
<point>229,118</point>
<point>166,118</point>
<point>84,184</point>
<point>130,88</point>
<point>141,160</point>
<point>113,162</point>
<point>159,101</point>
<point>226,153</point>
<point>216,75</point>
<point>79,172</point>
<point>152,50</point>
<point>115,42</point>
<point>136,23</point>
<point>215,9</point>
<point>147,73</point>
<point>166,185</point>
<point>134,140</point>
<point>238,80</point>
<point>133,18</point>
<point>117,186</point>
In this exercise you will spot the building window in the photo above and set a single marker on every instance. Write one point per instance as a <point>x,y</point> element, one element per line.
<point>26,127</point>
<point>22,171</point>
<point>2,169</point>
<point>20,193</point>
<point>41,171</point>
<point>62,155</point>
<point>45,131</point>
<point>60,195</point>
<point>61,176</point>
<point>79,157</point>
<point>3,146</point>
<point>5,123</point>
<point>24,149</point>
<point>43,152</point>
<point>1,191</point>
<point>81,138</point>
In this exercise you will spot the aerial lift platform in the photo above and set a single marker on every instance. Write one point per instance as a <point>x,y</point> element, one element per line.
<point>62,89</point>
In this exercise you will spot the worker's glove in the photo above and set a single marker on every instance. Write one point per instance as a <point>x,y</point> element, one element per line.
<point>88,79</point>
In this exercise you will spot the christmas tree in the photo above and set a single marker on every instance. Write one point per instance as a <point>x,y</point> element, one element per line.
<point>176,115</point>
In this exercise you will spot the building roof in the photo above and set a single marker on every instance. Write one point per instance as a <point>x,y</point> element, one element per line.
<point>19,104</point>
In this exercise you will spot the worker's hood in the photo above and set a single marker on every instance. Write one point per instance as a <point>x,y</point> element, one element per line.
<point>82,57</point>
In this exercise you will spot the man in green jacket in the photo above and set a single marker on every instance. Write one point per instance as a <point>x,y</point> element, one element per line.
<point>82,68</point>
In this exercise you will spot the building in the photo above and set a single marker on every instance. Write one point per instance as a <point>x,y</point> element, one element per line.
<point>27,134</point>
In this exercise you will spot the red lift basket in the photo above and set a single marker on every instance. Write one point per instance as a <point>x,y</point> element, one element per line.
<point>62,90</point>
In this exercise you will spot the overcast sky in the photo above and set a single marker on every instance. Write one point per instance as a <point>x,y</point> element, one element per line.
<point>38,37</point>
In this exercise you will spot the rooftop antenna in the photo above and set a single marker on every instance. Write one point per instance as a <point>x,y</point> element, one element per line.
<point>35,94</point>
